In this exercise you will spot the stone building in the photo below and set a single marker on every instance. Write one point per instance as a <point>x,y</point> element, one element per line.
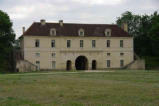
<point>71,46</point>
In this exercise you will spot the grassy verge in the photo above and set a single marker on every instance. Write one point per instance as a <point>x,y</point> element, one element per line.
<point>119,88</point>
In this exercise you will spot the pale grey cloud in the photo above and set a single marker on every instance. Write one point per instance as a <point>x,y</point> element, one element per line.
<point>99,2</point>
<point>25,12</point>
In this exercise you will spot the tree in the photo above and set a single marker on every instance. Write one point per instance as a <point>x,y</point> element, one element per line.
<point>145,31</point>
<point>154,34</point>
<point>7,38</point>
<point>132,21</point>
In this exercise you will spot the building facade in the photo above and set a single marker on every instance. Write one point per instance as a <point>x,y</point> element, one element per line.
<point>67,46</point>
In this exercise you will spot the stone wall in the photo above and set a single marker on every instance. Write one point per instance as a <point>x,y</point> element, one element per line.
<point>25,66</point>
<point>137,65</point>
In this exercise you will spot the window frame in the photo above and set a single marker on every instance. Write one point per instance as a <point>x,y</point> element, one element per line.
<point>53,63</point>
<point>122,63</point>
<point>53,55</point>
<point>108,63</point>
<point>37,43</point>
<point>108,54</point>
<point>53,43</point>
<point>81,30</point>
<point>37,54</point>
<point>68,45</point>
<point>81,43</point>
<point>121,54</point>
<point>121,43</point>
<point>108,43</point>
<point>93,43</point>
<point>107,32</point>
<point>53,32</point>
<point>37,62</point>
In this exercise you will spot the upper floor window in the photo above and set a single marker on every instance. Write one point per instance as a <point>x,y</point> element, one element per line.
<point>93,43</point>
<point>53,43</point>
<point>108,43</point>
<point>121,43</point>
<point>81,32</point>
<point>37,43</point>
<point>107,32</point>
<point>68,43</point>
<point>53,32</point>
<point>81,43</point>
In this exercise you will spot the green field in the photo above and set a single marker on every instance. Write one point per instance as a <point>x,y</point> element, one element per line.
<point>118,88</point>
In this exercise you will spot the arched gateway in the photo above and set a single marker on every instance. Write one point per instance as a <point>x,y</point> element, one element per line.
<point>81,63</point>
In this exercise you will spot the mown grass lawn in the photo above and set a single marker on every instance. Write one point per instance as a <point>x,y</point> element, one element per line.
<point>119,88</point>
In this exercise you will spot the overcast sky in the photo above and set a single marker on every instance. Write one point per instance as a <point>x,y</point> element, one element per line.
<point>25,12</point>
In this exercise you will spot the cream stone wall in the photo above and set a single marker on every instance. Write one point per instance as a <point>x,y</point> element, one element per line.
<point>99,53</point>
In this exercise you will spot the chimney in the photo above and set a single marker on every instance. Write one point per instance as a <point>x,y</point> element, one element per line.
<point>23,29</point>
<point>43,22</point>
<point>61,23</point>
<point>125,27</point>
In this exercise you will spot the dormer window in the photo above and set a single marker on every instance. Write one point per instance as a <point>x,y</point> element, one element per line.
<point>53,32</point>
<point>107,32</point>
<point>81,32</point>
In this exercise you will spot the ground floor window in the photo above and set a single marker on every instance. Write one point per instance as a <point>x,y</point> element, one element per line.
<point>53,64</point>
<point>38,65</point>
<point>108,62</point>
<point>121,63</point>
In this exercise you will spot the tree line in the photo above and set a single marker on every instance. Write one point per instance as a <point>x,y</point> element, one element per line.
<point>145,30</point>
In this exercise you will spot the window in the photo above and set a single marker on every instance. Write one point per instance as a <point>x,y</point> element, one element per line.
<point>108,43</point>
<point>81,43</point>
<point>108,63</point>
<point>93,43</point>
<point>37,43</point>
<point>53,32</point>
<point>53,55</point>
<point>53,43</point>
<point>121,63</point>
<point>68,43</point>
<point>53,64</point>
<point>108,54</point>
<point>37,54</point>
<point>81,32</point>
<point>121,54</point>
<point>121,43</point>
<point>107,32</point>
<point>37,65</point>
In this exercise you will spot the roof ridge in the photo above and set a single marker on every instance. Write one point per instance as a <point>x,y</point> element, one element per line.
<point>78,23</point>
